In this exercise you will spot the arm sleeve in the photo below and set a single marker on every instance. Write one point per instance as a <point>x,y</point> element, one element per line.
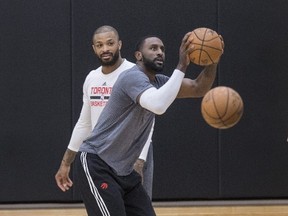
<point>83,126</point>
<point>158,100</point>
<point>145,149</point>
<point>81,130</point>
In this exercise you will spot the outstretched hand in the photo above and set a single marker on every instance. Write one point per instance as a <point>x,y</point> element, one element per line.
<point>223,45</point>
<point>184,52</point>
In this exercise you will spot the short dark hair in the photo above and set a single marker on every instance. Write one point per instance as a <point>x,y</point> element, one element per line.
<point>141,41</point>
<point>105,28</point>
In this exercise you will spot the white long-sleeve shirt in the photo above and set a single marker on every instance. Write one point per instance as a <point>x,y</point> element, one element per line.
<point>97,89</point>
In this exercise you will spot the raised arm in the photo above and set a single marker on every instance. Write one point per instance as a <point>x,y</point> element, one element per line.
<point>201,85</point>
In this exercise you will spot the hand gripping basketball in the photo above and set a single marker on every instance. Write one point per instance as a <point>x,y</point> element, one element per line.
<point>208,46</point>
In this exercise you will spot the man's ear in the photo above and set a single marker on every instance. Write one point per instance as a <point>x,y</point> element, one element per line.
<point>94,48</point>
<point>120,44</point>
<point>138,55</point>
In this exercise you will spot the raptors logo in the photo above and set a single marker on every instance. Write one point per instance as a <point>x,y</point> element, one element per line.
<point>104,186</point>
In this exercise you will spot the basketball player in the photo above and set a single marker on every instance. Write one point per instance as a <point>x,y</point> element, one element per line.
<point>104,168</point>
<point>96,92</point>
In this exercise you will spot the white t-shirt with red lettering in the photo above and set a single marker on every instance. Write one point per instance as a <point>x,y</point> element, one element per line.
<point>97,89</point>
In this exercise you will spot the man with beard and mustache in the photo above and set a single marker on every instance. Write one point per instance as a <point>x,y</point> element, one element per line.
<point>104,163</point>
<point>97,89</point>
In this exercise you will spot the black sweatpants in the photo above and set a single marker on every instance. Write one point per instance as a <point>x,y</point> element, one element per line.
<point>106,194</point>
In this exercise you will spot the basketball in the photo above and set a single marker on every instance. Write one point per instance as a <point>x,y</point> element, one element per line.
<point>222,107</point>
<point>207,46</point>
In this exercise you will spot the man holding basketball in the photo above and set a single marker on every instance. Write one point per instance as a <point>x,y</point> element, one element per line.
<point>104,167</point>
<point>96,92</point>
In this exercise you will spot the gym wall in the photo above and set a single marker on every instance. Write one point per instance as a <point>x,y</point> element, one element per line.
<point>46,54</point>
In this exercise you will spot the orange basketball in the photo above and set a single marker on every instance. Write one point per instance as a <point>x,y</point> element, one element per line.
<point>222,107</point>
<point>207,46</point>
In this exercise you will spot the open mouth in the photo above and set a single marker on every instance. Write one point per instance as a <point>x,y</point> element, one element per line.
<point>159,61</point>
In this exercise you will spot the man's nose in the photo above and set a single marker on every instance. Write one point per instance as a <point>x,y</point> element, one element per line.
<point>105,48</point>
<point>160,52</point>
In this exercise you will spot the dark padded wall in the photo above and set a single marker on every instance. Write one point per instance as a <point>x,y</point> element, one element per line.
<point>46,54</point>
<point>254,154</point>
<point>35,97</point>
